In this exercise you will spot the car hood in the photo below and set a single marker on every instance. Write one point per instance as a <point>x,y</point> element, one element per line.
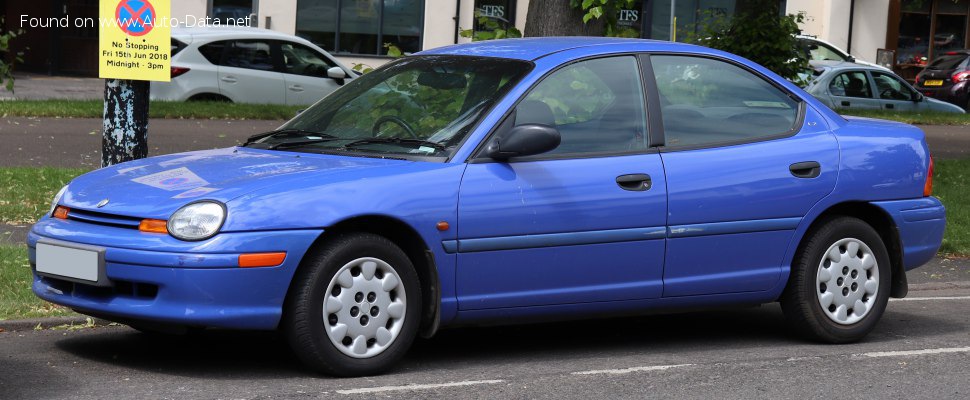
<point>156,187</point>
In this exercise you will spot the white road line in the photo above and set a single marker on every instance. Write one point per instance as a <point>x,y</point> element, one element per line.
<point>916,352</point>
<point>417,387</point>
<point>931,298</point>
<point>632,369</point>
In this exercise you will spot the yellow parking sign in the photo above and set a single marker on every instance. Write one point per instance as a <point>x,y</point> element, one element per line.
<point>135,40</point>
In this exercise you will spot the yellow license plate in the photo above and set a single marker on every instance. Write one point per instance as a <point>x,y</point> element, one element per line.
<point>933,82</point>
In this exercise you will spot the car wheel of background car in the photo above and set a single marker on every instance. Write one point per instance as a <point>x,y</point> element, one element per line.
<point>839,284</point>
<point>395,119</point>
<point>354,306</point>
<point>209,97</point>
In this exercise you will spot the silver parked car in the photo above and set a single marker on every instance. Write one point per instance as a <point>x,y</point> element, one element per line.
<point>847,85</point>
<point>248,65</point>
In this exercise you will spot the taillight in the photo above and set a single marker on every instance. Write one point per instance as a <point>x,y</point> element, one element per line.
<point>928,186</point>
<point>960,76</point>
<point>176,71</point>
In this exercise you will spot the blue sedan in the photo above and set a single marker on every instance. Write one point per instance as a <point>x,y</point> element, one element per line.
<point>509,180</point>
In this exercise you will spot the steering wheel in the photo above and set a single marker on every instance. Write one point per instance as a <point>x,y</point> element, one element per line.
<point>395,119</point>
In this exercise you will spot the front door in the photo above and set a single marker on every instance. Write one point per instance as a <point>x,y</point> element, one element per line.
<point>582,223</point>
<point>248,73</point>
<point>894,93</point>
<point>305,72</point>
<point>744,163</point>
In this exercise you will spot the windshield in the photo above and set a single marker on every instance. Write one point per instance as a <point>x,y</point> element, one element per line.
<point>421,106</point>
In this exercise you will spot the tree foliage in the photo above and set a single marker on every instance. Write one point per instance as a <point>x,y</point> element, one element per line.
<point>759,33</point>
<point>6,66</point>
<point>491,29</point>
<point>609,11</point>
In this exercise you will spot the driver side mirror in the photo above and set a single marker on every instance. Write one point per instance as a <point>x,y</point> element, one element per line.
<point>338,74</point>
<point>917,97</point>
<point>524,140</point>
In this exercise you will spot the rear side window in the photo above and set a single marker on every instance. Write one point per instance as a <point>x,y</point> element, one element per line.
<point>177,46</point>
<point>851,84</point>
<point>213,51</point>
<point>949,62</point>
<point>707,102</point>
<point>249,54</point>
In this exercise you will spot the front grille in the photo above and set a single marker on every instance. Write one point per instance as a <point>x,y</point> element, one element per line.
<point>93,217</point>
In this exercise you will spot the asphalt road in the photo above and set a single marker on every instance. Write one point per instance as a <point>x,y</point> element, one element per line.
<point>920,350</point>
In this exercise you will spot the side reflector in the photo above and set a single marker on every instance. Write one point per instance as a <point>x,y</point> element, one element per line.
<point>153,226</point>
<point>928,187</point>
<point>61,212</point>
<point>261,259</point>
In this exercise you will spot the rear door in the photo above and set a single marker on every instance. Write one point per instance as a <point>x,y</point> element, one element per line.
<point>852,89</point>
<point>248,72</point>
<point>305,72</point>
<point>745,161</point>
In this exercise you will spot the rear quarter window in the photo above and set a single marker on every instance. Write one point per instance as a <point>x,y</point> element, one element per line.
<point>213,51</point>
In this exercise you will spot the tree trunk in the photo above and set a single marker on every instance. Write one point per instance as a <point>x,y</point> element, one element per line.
<point>558,18</point>
<point>125,135</point>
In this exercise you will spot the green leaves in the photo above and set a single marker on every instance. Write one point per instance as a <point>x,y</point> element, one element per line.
<point>491,29</point>
<point>6,70</point>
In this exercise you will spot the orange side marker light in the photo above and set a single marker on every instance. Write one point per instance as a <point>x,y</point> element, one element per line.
<point>443,226</point>
<point>252,260</point>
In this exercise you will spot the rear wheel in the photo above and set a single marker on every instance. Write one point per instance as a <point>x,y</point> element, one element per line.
<point>354,306</point>
<point>839,284</point>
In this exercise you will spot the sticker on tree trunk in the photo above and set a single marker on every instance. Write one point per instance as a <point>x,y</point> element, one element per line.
<point>135,40</point>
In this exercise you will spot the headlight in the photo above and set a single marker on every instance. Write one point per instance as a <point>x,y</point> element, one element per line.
<point>197,221</point>
<point>57,199</point>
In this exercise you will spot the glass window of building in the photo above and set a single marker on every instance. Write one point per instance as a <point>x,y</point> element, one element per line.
<point>501,12</point>
<point>232,12</point>
<point>361,26</point>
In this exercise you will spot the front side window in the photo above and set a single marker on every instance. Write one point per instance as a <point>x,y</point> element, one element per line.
<point>301,60</point>
<point>421,106</point>
<point>706,102</point>
<point>597,106</point>
<point>361,26</point>
<point>851,84</point>
<point>890,87</point>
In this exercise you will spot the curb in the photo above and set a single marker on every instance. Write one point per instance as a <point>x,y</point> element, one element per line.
<point>916,287</point>
<point>15,325</point>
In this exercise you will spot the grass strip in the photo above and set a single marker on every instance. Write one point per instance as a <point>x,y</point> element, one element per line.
<point>915,118</point>
<point>157,109</point>
<point>26,192</point>
<point>16,299</point>
<point>951,183</point>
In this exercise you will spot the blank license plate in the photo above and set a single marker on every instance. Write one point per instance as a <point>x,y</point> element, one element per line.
<point>71,262</point>
<point>933,82</point>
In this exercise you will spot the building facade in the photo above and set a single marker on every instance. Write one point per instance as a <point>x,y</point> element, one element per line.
<point>910,32</point>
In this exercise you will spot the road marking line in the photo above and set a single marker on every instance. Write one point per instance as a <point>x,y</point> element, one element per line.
<point>417,387</point>
<point>916,352</point>
<point>632,369</point>
<point>931,298</point>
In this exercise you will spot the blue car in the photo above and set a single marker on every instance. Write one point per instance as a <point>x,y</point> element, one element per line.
<point>500,181</point>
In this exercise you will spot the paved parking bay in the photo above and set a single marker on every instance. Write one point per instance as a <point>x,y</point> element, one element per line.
<point>921,349</point>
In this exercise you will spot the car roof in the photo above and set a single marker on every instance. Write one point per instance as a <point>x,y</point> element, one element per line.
<point>227,32</point>
<point>840,65</point>
<point>534,48</point>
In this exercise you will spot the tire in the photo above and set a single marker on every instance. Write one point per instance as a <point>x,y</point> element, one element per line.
<point>369,322</point>
<point>829,284</point>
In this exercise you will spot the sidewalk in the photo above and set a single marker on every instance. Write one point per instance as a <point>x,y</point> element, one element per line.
<point>28,86</point>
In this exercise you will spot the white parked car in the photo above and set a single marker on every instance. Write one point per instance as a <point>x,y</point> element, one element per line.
<point>820,50</point>
<point>248,65</point>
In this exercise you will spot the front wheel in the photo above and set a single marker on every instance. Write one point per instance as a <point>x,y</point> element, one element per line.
<point>354,306</point>
<point>839,283</point>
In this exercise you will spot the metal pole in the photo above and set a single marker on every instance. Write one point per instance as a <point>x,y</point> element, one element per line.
<point>125,134</point>
<point>673,21</point>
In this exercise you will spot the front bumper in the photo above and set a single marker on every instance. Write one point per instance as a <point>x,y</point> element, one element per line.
<point>160,279</point>
<point>920,223</point>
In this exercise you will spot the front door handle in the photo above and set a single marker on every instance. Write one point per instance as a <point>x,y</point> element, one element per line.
<point>296,88</point>
<point>845,103</point>
<point>806,169</point>
<point>634,182</point>
<point>889,106</point>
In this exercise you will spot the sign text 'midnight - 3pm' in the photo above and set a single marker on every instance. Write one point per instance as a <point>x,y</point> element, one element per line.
<point>134,40</point>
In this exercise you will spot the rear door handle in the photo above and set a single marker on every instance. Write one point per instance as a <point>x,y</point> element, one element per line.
<point>296,88</point>
<point>634,182</point>
<point>889,106</point>
<point>806,169</point>
<point>845,103</point>
<point>228,79</point>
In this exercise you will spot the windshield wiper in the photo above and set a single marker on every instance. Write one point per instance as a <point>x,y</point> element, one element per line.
<point>396,140</point>
<point>299,143</point>
<point>286,132</point>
